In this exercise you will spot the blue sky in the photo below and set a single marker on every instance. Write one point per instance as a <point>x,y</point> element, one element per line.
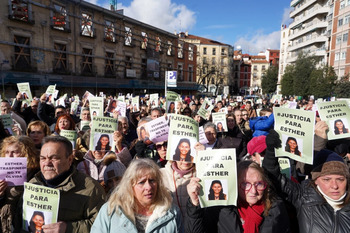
<point>252,24</point>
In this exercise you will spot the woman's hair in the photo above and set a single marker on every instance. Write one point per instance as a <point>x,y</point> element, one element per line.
<point>177,150</point>
<point>219,123</point>
<point>287,148</point>
<point>26,146</point>
<point>268,196</point>
<point>264,111</point>
<point>211,195</point>
<point>41,124</point>
<point>123,196</point>
<point>31,223</point>
<point>71,121</point>
<point>336,130</point>
<point>99,144</point>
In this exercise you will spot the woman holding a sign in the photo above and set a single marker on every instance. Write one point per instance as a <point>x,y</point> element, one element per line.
<point>140,203</point>
<point>64,122</point>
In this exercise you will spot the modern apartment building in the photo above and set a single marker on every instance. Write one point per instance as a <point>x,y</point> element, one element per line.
<point>339,52</point>
<point>214,62</point>
<point>308,31</point>
<point>80,46</point>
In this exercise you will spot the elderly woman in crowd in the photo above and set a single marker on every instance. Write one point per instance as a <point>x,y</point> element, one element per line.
<point>258,209</point>
<point>140,203</point>
<point>15,147</point>
<point>322,202</point>
<point>37,130</point>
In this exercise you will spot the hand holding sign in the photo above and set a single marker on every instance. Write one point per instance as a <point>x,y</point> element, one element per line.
<point>193,189</point>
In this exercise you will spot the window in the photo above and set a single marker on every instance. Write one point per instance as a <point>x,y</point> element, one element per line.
<point>338,39</point>
<point>158,44</point>
<point>109,31</point>
<point>222,72</point>
<point>128,62</point>
<point>180,53</point>
<point>22,54</point>
<point>144,41</point>
<point>345,37</point>
<point>190,53</point>
<point>255,67</point>
<point>263,68</point>
<point>213,61</point>
<point>342,4</point>
<point>223,52</point>
<point>205,51</point>
<point>59,18</point>
<point>144,68</point>
<point>190,73</point>
<point>86,68</point>
<point>342,55</point>
<point>60,59</point>
<point>128,36</point>
<point>336,58</point>
<point>169,50</point>
<point>87,25</point>
<point>245,69</point>
<point>205,60</point>
<point>19,10</point>
<point>214,51</point>
<point>180,72</point>
<point>346,19</point>
<point>340,22</point>
<point>109,66</point>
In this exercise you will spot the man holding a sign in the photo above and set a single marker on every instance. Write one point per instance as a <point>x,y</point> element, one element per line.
<point>80,196</point>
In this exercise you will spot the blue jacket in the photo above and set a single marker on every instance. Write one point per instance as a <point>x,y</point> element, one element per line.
<point>161,221</point>
<point>261,125</point>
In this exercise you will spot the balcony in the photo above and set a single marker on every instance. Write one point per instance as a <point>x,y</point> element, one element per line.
<point>314,39</point>
<point>300,8</point>
<point>308,28</point>
<point>317,10</point>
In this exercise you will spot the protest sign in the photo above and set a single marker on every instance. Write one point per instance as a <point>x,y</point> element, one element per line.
<point>183,135</point>
<point>42,201</point>
<point>143,133</point>
<point>96,106</point>
<point>337,116</point>
<point>84,125</point>
<point>87,95</point>
<point>285,167</point>
<point>217,169</point>
<point>296,130</point>
<point>171,101</point>
<point>121,98</point>
<point>24,88</point>
<point>158,129</point>
<point>13,170</point>
<point>135,104</point>
<point>121,108</point>
<point>219,119</point>
<point>71,135</point>
<point>50,90</point>
<point>112,105</point>
<point>153,99</point>
<point>205,109</point>
<point>8,123</point>
<point>102,130</point>
<point>202,137</point>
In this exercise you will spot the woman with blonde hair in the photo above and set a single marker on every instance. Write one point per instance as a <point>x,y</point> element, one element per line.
<point>15,147</point>
<point>37,130</point>
<point>140,203</point>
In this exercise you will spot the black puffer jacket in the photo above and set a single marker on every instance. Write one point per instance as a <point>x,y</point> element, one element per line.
<point>225,219</point>
<point>314,213</point>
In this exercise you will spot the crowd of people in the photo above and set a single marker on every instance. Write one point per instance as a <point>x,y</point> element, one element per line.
<point>134,188</point>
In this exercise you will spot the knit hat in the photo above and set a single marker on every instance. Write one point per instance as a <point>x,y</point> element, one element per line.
<point>327,162</point>
<point>257,144</point>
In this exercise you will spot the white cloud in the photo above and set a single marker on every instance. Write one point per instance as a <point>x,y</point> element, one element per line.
<point>259,42</point>
<point>159,13</point>
<point>286,19</point>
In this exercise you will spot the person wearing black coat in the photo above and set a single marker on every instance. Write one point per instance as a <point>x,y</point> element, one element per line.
<point>322,202</point>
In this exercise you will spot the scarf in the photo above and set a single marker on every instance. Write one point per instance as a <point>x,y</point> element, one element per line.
<point>334,203</point>
<point>251,216</point>
<point>181,172</point>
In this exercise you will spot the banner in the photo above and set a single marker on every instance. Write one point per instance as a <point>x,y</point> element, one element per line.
<point>217,170</point>
<point>219,119</point>
<point>135,104</point>
<point>24,88</point>
<point>183,135</point>
<point>172,99</point>
<point>71,135</point>
<point>13,170</point>
<point>39,201</point>
<point>8,123</point>
<point>296,130</point>
<point>337,116</point>
<point>171,77</point>
<point>101,138</point>
<point>205,109</point>
<point>96,105</point>
<point>153,99</point>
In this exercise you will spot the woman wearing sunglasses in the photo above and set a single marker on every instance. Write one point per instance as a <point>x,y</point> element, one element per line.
<point>257,210</point>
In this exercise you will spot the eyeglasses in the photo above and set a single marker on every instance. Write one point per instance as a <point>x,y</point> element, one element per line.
<point>159,146</point>
<point>260,186</point>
